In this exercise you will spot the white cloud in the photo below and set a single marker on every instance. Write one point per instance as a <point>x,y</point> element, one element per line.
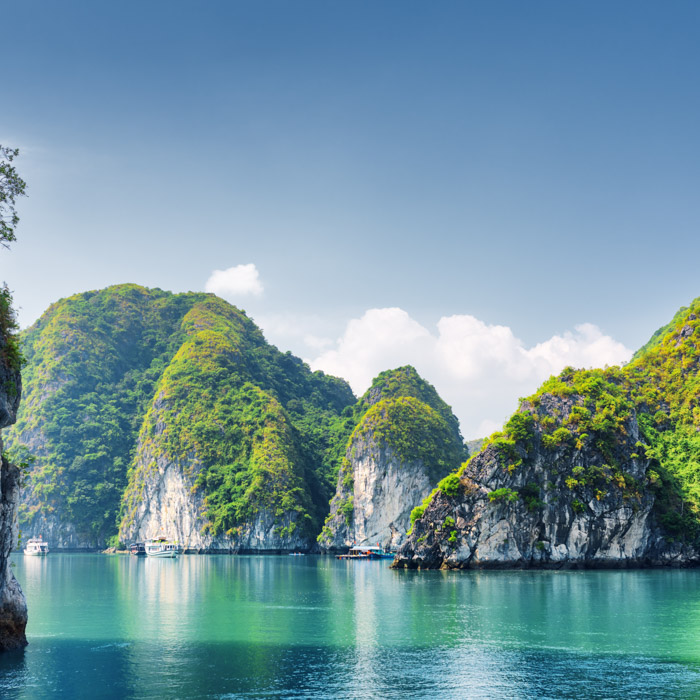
<point>235,282</point>
<point>479,369</point>
<point>382,338</point>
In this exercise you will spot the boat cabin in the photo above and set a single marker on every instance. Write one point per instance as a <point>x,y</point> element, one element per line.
<point>36,547</point>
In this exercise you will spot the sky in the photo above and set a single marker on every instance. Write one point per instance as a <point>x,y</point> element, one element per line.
<point>488,191</point>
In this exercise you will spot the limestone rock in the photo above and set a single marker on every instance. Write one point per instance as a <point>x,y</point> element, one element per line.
<point>562,506</point>
<point>374,506</point>
<point>13,606</point>
<point>163,501</point>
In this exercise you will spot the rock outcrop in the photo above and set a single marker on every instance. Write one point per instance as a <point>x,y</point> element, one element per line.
<point>374,507</point>
<point>544,495</point>
<point>166,497</point>
<point>164,501</point>
<point>399,450</point>
<point>13,606</point>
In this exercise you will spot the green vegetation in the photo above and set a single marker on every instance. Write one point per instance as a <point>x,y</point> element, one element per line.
<point>12,186</point>
<point>10,351</point>
<point>108,369</point>
<point>450,485</point>
<point>665,386</point>
<point>415,431</point>
<point>505,494</point>
<point>405,382</point>
<point>659,335</point>
<point>417,512</point>
<point>530,493</point>
<point>403,412</point>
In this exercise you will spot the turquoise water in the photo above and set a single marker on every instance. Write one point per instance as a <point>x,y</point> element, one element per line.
<point>315,627</point>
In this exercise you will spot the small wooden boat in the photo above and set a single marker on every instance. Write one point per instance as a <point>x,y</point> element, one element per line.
<point>137,549</point>
<point>36,547</point>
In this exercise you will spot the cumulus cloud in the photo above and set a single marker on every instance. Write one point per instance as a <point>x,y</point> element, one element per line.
<point>235,282</point>
<point>479,369</point>
<point>384,338</point>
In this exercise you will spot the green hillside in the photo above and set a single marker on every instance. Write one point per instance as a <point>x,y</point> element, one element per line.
<point>403,412</point>
<point>253,416</point>
<point>262,423</point>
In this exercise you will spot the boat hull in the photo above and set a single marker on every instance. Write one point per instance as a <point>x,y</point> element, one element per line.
<point>35,554</point>
<point>163,555</point>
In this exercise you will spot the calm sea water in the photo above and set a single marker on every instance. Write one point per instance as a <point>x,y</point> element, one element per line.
<point>314,627</point>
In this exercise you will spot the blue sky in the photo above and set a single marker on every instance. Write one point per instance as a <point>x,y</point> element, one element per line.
<point>406,178</point>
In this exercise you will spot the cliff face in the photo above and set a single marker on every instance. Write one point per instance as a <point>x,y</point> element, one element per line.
<point>374,507</point>
<point>13,606</point>
<point>163,499</point>
<point>399,450</point>
<point>568,484</point>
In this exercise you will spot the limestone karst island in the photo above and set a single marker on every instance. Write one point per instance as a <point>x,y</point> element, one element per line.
<point>165,425</point>
<point>156,413</point>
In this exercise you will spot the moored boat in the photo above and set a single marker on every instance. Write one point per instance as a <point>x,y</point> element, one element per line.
<point>366,551</point>
<point>137,549</point>
<point>36,547</point>
<point>161,548</point>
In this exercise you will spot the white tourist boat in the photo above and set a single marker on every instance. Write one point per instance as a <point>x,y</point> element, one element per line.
<point>162,548</point>
<point>36,547</point>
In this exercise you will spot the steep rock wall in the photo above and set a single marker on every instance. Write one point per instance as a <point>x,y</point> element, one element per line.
<point>548,505</point>
<point>13,606</point>
<point>376,492</point>
<point>163,500</point>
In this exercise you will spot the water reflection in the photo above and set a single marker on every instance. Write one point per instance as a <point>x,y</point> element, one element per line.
<point>219,626</point>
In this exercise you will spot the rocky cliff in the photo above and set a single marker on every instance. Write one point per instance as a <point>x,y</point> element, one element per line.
<point>13,606</point>
<point>151,412</point>
<point>597,469</point>
<point>405,441</point>
<point>165,497</point>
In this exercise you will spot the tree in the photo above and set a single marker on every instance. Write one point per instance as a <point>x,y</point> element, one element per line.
<point>11,187</point>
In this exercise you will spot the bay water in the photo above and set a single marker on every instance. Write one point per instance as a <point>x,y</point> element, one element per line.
<point>207,626</point>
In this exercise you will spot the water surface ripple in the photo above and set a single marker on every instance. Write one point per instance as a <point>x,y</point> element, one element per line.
<point>314,627</point>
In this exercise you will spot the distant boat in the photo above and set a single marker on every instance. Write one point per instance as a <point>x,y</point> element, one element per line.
<point>162,548</point>
<point>296,554</point>
<point>366,551</point>
<point>137,549</point>
<point>36,547</point>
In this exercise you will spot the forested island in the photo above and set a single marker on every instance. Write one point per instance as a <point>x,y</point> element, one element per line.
<point>597,468</point>
<point>150,412</point>
<point>157,413</point>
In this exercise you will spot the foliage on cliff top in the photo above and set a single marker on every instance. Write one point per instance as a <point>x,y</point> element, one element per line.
<point>415,431</point>
<point>665,379</point>
<point>405,382</point>
<point>659,335</point>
